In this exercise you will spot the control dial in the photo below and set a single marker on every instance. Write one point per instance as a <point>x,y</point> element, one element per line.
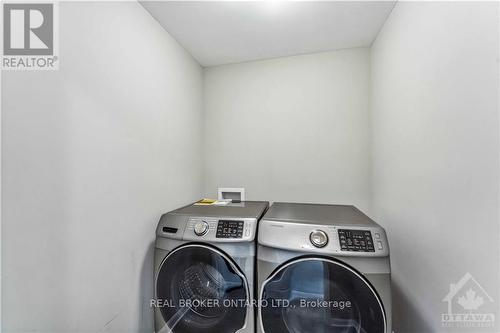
<point>201,228</point>
<point>318,238</point>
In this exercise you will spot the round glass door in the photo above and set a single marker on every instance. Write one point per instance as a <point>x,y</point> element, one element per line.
<point>315,295</point>
<point>201,290</point>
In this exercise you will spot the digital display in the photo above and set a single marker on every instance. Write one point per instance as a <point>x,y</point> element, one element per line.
<point>356,240</point>
<point>229,229</point>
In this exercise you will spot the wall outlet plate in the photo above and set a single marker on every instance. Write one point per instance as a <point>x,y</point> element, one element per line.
<point>235,194</point>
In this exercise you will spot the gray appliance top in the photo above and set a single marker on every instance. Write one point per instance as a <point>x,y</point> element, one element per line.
<point>234,222</point>
<point>244,209</point>
<point>318,214</point>
<point>338,230</point>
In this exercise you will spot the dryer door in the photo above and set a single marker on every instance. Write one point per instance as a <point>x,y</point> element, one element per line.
<point>201,290</point>
<point>319,295</point>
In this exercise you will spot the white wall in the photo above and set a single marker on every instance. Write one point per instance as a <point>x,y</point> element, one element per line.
<point>290,129</point>
<point>92,154</point>
<point>435,153</point>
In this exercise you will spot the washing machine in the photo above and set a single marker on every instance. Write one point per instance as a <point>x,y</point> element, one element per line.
<point>322,268</point>
<point>204,268</point>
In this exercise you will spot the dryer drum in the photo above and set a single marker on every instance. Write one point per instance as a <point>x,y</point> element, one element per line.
<point>201,284</point>
<point>320,295</point>
<point>205,288</point>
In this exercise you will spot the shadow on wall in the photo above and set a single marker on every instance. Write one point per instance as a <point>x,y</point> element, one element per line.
<point>405,316</point>
<point>146,292</point>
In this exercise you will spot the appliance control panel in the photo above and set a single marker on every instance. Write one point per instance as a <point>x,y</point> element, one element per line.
<point>342,240</point>
<point>220,229</point>
<point>356,240</point>
<point>230,229</point>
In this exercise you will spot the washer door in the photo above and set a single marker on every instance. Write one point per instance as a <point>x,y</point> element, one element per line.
<point>201,290</point>
<point>319,295</point>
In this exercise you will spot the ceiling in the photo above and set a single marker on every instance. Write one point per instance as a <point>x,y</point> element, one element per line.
<point>223,32</point>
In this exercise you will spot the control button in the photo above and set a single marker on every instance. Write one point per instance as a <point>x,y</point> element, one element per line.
<point>201,228</point>
<point>377,235</point>
<point>318,238</point>
<point>379,245</point>
<point>247,233</point>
